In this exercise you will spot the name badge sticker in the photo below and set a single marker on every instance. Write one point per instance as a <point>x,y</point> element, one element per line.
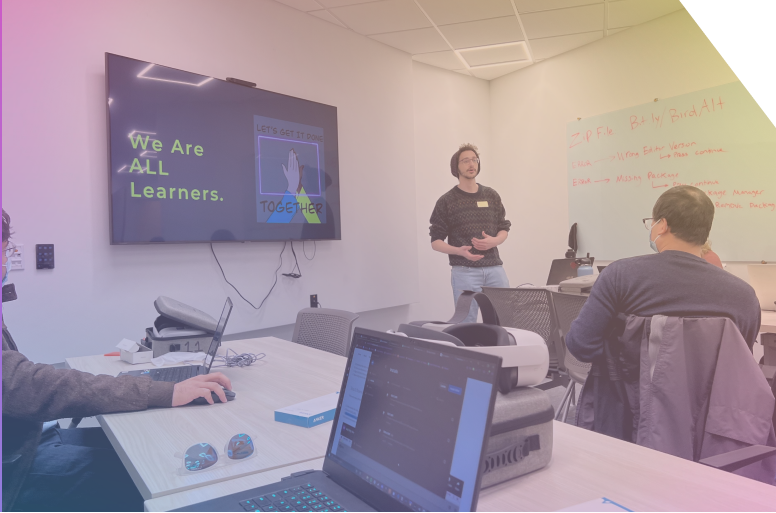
<point>482,204</point>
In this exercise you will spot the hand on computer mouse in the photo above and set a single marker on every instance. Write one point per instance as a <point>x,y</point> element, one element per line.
<point>201,386</point>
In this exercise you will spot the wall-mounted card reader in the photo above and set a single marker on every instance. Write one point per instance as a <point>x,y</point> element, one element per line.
<point>44,256</point>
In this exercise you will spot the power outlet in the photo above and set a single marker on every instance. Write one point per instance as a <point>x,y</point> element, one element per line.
<point>17,259</point>
<point>313,300</point>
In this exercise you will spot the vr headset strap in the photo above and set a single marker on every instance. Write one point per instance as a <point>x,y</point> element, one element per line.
<point>462,307</point>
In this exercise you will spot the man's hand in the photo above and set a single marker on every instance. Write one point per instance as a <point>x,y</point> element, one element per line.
<point>200,386</point>
<point>293,173</point>
<point>485,243</point>
<point>465,252</point>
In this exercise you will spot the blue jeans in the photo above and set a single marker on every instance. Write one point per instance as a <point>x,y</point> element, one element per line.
<point>474,278</point>
<point>77,470</point>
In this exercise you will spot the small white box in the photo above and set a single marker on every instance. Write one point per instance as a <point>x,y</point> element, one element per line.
<point>309,413</point>
<point>142,355</point>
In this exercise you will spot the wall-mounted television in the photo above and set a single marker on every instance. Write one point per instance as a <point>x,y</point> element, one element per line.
<point>197,159</point>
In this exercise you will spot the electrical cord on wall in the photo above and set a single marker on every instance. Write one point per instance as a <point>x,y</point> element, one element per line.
<point>315,250</point>
<point>292,274</point>
<point>235,288</point>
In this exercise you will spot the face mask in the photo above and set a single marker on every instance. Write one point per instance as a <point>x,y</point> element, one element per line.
<point>7,270</point>
<point>652,243</point>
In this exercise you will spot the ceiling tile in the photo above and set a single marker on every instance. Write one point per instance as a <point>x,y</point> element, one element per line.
<point>495,54</point>
<point>560,22</point>
<point>302,5</point>
<point>614,31</point>
<point>446,12</point>
<point>551,46</point>
<point>326,15</point>
<point>341,3</point>
<point>632,12</point>
<point>546,5</point>
<point>381,17</point>
<point>414,41</point>
<point>498,70</point>
<point>447,60</point>
<point>483,32</point>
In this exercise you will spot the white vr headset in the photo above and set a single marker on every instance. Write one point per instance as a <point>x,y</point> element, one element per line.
<point>525,358</point>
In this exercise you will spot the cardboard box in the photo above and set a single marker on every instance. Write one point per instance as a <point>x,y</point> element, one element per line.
<point>142,355</point>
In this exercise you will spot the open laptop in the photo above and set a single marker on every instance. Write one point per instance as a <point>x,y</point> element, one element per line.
<point>762,277</point>
<point>409,434</point>
<point>562,269</point>
<point>183,372</point>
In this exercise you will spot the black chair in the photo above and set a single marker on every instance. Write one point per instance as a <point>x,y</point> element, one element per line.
<point>566,308</point>
<point>529,309</point>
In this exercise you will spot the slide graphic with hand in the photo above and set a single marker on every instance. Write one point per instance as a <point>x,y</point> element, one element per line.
<point>289,169</point>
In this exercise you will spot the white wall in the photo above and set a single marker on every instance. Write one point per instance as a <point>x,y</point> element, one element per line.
<point>450,109</point>
<point>55,182</point>
<point>530,108</point>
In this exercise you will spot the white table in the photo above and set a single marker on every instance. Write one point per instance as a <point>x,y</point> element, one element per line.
<point>768,321</point>
<point>151,443</point>
<point>584,466</point>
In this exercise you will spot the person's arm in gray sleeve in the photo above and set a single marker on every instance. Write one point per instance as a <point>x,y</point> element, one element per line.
<point>39,392</point>
<point>585,339</point>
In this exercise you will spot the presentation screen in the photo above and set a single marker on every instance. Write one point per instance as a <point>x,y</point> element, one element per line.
<point>197,159</point>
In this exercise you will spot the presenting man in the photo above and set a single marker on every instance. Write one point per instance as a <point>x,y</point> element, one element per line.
<point>74,469</point>
<point>473,220</point>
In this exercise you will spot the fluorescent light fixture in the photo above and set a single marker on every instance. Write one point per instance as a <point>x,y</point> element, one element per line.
<point>495,54</point>
<point>133,132</point>
<point>123,168</point>
<point>110,100</point>
<point>148,151</point>
<point>148,68</point>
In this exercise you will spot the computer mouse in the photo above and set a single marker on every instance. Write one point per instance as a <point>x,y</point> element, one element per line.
<point>228,393</point>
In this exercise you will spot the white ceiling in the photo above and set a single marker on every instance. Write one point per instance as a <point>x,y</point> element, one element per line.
<point>485,38</point>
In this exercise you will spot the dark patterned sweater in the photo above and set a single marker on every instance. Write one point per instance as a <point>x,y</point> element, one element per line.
<point>460,216</point>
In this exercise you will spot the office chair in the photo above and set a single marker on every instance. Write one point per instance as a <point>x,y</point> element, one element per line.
<point>325,329</point>
<point>566,308</point>
<point>531,310</point>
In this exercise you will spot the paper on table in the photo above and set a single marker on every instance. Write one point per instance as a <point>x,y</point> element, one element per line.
<point>168,358</point>
<point>128,345</point>
<point>602,504</point>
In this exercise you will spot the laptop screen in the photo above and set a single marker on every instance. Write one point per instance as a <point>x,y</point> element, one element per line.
<point>218,335</point>
<point>412,420</point>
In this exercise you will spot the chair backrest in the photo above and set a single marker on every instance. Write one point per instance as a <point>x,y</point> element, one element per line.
<point>528,309</point>
<point>325,329</point>
<point>566,308</point>
<point>687,355</point>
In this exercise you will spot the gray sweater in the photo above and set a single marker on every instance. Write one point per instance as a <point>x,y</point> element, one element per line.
<point>35,393</point>
<point>671,283</point>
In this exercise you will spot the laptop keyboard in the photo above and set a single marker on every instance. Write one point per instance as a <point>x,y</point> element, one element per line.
<point>303,498</point>
<point>175,374</point>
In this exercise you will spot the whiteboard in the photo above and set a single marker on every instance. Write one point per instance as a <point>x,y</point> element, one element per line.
<point>717,139</point>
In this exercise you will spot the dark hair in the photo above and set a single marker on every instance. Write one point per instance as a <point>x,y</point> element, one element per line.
<point>457,155</point>
<point>6,226</point>
<point>688,211</point>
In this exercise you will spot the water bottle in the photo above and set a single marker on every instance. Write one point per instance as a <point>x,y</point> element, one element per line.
<point>585,270</point>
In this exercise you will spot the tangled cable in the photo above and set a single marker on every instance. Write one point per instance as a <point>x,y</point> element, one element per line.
<point>238,360</point>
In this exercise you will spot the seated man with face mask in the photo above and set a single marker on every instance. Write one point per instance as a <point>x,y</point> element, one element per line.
<point>675,282</point>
